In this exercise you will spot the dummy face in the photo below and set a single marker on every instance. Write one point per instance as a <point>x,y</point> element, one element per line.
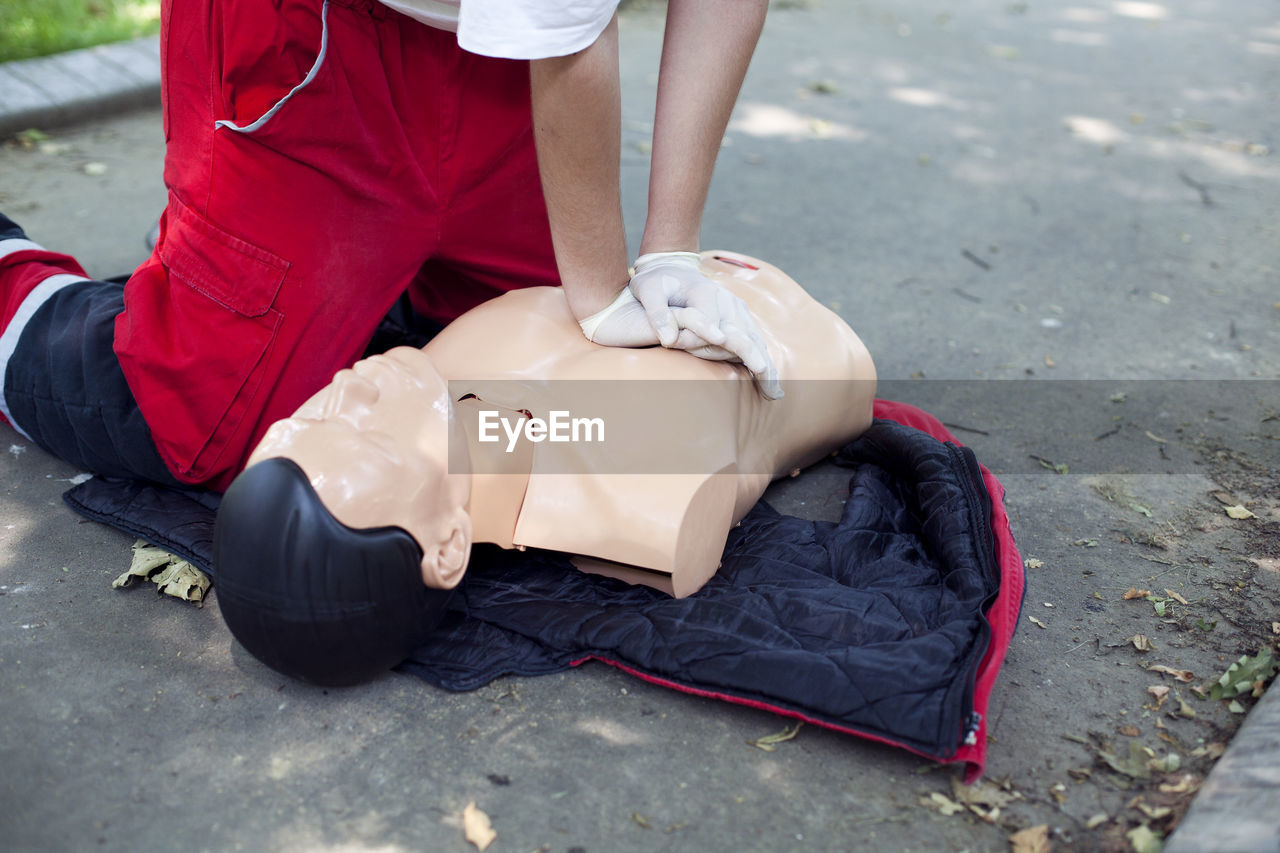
<point>374,444</point>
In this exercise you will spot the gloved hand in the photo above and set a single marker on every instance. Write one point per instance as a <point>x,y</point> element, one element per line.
<point>689,311</point>
<point>624,323</point>
<point>621,323</point>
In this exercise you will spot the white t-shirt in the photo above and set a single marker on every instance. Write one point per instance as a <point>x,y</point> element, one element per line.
<point>514,29</point>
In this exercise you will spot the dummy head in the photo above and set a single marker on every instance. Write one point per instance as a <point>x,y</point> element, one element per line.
<point>374,444</point>
<point>337,548</point>
<point>308,596</point>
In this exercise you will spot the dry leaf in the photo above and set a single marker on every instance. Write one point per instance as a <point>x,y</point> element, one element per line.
<point>641,821</point>
<point>1186,784</point>
<point>1180,674</point>
<point>1134,592</point>
<point>171,574</point>
<point>989,815</point>
<point>1097,820</point>
<point>1033,563</point>
<point>1212,751</point>
<point>1129,731</point>
<point>1176,597</point>
<point>1036,621</point>
<point>982,793</point>
<point>1134,764</point>
<point>476,828</point>
<point>1156,438</point>
<point>182,580</point>
<point>1034,839</point>
<point>1142,643</point>
<point>147,558</point>
<point>1143,839</point>
<point>1239,511</point>
<point>942,803</point>
<point>820,127</point>
<point>1160,692</point>
<point>770,742</point>
<point>1154,812</point>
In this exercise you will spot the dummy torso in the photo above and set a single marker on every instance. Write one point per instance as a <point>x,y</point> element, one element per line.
<point>688,445</point>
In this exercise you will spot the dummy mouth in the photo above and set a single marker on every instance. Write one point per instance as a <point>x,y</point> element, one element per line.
<point>735,262</point>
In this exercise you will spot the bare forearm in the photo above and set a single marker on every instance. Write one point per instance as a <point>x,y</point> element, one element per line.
<point>577,127</point>
<point>705,54</point>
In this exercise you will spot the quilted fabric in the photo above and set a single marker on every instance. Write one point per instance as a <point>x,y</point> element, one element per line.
<point>890,623</point>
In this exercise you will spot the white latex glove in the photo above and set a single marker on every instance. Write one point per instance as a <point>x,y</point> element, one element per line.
<point>689,311</point>
<point>621,323</point>
<point>624,323</point>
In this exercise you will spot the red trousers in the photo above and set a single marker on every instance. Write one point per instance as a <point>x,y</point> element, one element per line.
<point>322,159</point>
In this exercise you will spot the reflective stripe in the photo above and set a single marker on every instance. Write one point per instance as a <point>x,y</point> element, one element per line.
<point>9,339</point>
<point>306,81</point>
<point>8,247</point>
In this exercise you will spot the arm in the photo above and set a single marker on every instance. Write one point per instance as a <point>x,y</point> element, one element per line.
<point>577,123</point>
<point>577,118</point>
<point>706,49</point>
<point>705,53</point>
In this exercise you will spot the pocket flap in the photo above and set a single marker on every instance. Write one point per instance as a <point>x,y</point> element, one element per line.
<point>245,279</point>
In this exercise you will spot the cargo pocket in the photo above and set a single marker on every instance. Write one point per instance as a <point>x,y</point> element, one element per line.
<point>220,329</point>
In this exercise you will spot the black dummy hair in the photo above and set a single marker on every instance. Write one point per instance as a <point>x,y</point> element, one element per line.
<point>308,596</point>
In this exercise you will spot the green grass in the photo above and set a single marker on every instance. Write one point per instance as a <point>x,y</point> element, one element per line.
<point>38,27</point>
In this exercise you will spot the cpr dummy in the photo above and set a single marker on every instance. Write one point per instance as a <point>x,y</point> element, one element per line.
<point>673,450</point>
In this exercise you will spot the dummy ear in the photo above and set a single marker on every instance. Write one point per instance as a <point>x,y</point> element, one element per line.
<point>445,562</point>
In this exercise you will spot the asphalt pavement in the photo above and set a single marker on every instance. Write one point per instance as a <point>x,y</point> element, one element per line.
<point>1057,227</point>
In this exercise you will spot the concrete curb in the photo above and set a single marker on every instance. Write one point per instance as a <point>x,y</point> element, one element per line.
<point>1236,810</point>
<point>79,84</point>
